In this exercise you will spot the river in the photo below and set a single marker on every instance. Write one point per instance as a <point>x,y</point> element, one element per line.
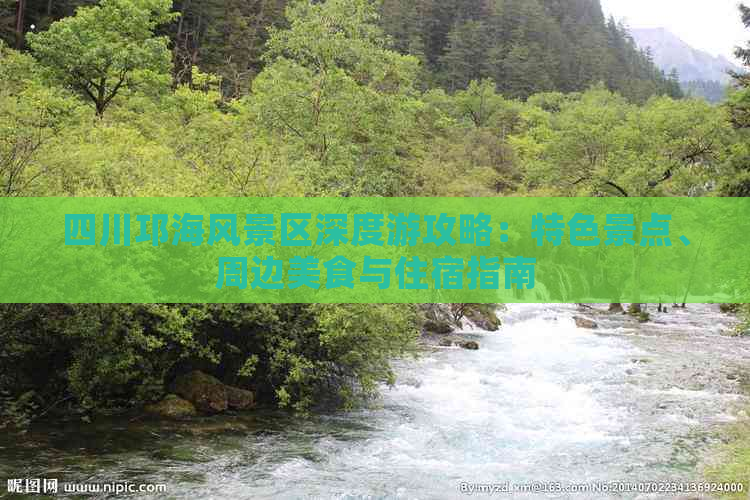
<point>540,401</point>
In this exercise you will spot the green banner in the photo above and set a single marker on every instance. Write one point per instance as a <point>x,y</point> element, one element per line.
<point>374,250</point>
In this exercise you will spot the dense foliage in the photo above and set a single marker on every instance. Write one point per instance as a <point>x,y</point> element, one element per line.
<point>97,357</point>
<point>526,46</point>
<point>512,97</point>
<point>105,48</point>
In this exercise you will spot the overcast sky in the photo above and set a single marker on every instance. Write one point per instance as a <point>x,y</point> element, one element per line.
<point>710,25</point>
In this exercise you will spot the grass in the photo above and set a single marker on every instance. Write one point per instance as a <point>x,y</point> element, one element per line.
<point>733,462</point>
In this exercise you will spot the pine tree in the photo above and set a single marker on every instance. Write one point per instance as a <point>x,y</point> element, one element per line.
<point>740,101</point>
<point>744,53</point>
<point>466,55</point>
<point>405,23</point>
<point>225,37</point>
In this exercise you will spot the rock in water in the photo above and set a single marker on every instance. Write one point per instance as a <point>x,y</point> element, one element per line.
<point>445,343</point>
<point>483,317</point>
<point>172,407</point>
<point>616,308</point>
<point>729,308</point>
<point>470,345</point>
<point>240,399</point>
<point>635,309</point>
<point>585,323</point>
<point>207,393</point>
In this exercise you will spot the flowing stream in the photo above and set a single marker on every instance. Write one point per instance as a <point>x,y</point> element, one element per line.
<point>541,400</point>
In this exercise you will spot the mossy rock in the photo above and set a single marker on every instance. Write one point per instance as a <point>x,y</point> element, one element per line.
<point>616,308</point>
<point>172,407</point>
<point>469,344</point>
<point>207,393</point>
<point>459,342</point>
<point>644,317</point>
<point>434,326</point>
<point>240,399</point>
<point>729,308</point>
<point>484,317</point>
<point>635,309</point>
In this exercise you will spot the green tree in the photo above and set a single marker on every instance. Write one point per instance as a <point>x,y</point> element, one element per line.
<point>466,57</point>
<point>739,102</point>
<point>31,116</point>
<point>107,48</point>
<point>737,182</point>
<point>466,142</point>
<point>744,52</point>
<point>336,101</point>
<point>226,38</point>
<point>602,145</point>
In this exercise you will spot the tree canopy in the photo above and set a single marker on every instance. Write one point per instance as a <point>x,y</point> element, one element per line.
<point>106,48</point>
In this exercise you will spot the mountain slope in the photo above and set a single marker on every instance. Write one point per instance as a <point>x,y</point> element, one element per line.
<point>670,52</point>
<point>525,46</point>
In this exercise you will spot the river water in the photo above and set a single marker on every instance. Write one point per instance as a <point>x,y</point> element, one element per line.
<point>540,401</point>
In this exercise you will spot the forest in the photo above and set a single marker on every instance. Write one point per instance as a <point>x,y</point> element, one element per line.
<point>526,46</point>
<point>473,98</point>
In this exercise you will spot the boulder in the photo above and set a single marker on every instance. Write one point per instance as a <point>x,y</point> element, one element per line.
<point>483,317</point>
<point>437,318</point>
<point>438,326</point>
<point>172,407</point>
<point>635,309</point>
<point>206,393</point>
<point>729,308</point>
<point>585,323</point>
<point>445,343</point>
<point>616,308</point>
<point>469,344</point>
<point>239,399</point>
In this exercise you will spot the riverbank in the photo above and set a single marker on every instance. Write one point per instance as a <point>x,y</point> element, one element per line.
<point>94,359</point>
<point>87,360</point>
<point>732,461</point>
